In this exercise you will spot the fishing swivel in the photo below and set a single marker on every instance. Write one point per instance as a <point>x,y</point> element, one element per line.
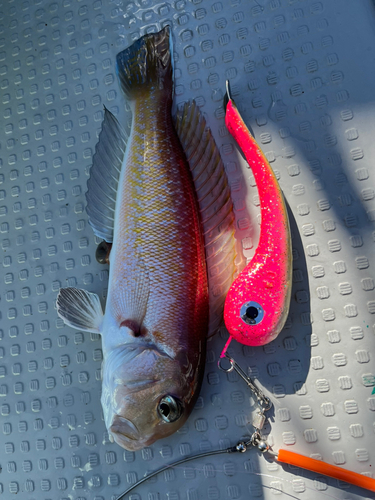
<point>263,401</point>
<point>264,404</point>
<point>255,440</point>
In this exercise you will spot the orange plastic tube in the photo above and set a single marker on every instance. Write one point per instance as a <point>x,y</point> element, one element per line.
<point>288,457</point>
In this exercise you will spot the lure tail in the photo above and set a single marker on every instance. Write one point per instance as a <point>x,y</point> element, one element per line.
<point>147,65</point>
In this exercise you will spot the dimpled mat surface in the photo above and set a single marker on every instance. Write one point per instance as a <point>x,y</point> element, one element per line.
<point>303,76</point>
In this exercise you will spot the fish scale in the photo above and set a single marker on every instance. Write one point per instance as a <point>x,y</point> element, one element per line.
<point>151,216</point>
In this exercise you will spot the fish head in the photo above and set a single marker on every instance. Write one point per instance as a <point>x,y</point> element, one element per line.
<point>147,394</point>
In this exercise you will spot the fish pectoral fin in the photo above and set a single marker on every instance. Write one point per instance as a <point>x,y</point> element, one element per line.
<point>80,309</point>
<point>104,176</point>
<point>130,296</point>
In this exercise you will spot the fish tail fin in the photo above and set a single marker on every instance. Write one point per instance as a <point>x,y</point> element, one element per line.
<point>147,65</point>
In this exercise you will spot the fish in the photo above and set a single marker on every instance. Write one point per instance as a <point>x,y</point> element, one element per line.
<point>160,197</point>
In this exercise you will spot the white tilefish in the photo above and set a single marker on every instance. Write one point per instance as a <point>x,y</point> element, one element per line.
<point>142,198</point>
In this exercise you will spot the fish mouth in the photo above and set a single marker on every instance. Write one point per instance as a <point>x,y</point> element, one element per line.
<point>123,430</point>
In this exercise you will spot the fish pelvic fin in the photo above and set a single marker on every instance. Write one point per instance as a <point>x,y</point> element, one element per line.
<point>104,177</point>
<point>147,65</point>
<point>215,204</point>
<point>80,309</point>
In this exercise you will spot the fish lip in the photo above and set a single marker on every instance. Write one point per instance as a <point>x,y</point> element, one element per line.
<point>129,444</point>
<point>123,429</point>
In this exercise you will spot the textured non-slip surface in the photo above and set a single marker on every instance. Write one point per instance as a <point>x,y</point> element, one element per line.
<point>303,77</point>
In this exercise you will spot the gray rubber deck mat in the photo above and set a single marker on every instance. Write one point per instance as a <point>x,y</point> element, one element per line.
<point>303,77</point>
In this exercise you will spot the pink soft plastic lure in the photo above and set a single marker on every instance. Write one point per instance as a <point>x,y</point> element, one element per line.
<point>257,303</point>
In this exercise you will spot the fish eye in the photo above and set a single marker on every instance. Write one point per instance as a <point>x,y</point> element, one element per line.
<point>170,409</point>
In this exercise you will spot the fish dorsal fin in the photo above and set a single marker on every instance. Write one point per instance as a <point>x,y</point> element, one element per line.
<point>104,176</point>
<point>215,204</point>
<point>80,309</point>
